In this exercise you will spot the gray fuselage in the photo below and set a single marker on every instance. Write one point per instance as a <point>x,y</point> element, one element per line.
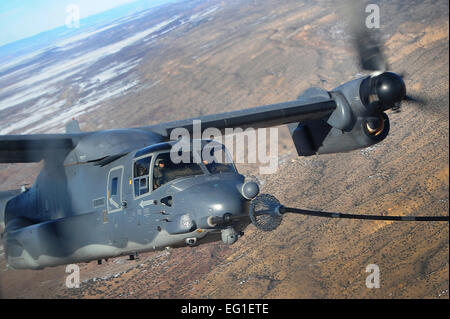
<point>82,211</point>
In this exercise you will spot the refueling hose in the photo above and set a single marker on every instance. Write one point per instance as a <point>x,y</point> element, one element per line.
<point>275,212</point>
<point>283,210</point>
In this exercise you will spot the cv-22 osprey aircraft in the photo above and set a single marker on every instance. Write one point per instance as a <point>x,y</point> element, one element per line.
<point>109,193</point>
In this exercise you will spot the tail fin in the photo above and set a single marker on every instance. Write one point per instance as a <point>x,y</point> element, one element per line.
<point>73,127</point>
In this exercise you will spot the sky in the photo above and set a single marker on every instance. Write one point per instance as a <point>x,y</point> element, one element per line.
<point>24,18</point>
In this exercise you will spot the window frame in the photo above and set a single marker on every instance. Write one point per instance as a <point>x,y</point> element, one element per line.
<point>150,175</point>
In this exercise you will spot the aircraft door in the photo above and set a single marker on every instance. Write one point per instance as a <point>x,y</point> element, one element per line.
<point>114,189</point>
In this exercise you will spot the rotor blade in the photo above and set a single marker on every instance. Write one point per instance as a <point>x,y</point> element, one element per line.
<point>412,98</point>
<point>366,41</point>
<point>403,74</point>
<point>369,51</point>
<point>284,210</point>
<point>415,99</point>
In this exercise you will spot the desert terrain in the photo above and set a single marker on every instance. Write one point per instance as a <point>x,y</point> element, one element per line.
<point>212,56</point>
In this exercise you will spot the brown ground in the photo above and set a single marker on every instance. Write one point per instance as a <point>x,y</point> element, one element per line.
<point>261,52</point>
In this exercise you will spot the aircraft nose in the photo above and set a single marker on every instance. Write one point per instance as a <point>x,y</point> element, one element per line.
<point>218,200</point>
<point>225,201</point>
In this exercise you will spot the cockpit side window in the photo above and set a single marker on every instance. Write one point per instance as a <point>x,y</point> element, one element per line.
<point>165,170</point>
<point>141,176</point>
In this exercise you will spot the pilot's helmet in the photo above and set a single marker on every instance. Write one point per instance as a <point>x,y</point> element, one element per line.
<point>159,163</point>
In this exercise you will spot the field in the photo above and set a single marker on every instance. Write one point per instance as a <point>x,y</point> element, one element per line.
<point>211,56</point>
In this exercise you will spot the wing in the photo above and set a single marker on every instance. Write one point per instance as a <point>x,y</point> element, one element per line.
<point>315,104</point>
<point>34,148</point>
<point>312,107</point>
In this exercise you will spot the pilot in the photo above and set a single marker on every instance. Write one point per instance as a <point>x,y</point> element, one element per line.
<point>159,173</point>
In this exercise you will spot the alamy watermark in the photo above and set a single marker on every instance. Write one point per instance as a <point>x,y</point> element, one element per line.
<point>373,19</point>
<point>73,280</point>
<point>237,142</point>
<point>73,16</point>
<point>373,280</point>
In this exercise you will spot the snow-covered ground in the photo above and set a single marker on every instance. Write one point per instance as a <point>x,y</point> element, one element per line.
<point>34,87</point>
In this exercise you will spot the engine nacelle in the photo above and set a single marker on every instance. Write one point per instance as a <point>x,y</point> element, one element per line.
<point>353,125</point>
<point>318,137</point>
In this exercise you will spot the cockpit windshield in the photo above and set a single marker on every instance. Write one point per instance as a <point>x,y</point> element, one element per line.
<point>165,170</point>
<point>154,170</point>
<point>217,159</point>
